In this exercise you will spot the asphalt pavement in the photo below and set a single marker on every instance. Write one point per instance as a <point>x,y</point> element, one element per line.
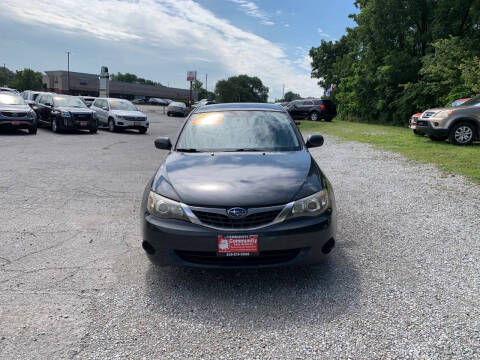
<point>403,281</point>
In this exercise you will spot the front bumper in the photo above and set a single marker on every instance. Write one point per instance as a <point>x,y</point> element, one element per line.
<point>15,123</point>
<point>127,124</point>
<point>427,127</point>
<point>74,124</point>
<point>296,241</point>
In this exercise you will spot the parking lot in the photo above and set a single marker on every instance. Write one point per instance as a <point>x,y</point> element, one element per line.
<point>403,281</point>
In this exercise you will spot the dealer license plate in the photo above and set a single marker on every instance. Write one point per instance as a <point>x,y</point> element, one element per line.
<point>83,123</point>
<point>15,122</point>
<point>137,124</point>
<point>237,245</point>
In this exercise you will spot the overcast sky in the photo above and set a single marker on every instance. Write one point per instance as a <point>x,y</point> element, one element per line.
<point>161,40</point>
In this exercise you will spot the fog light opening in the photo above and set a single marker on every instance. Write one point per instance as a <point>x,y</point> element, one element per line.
<point>148,248</point>
<point>329,245</point>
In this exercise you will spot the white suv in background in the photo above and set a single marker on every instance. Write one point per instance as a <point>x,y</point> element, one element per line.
<point>116,114</point>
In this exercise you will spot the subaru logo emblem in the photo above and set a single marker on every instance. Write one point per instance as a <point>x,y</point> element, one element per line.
<point>237,212</point>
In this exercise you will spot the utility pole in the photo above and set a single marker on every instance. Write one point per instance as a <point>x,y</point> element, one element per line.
<point>283,92</point>
<point>206,82</point>
<point>68,71</point>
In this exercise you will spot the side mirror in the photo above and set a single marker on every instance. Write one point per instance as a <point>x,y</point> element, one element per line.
<point>105,108</point>
<point>314,140</point>
<point>49,104</point>
<point>163,143</point>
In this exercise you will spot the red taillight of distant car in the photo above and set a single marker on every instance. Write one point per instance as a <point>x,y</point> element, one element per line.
<point>322,107</point>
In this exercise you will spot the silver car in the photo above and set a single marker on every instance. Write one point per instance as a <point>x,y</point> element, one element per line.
<point>15,113</point>
<point>116,114</point>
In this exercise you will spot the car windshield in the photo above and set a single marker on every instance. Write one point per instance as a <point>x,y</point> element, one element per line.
<point>122,105</point>
<point>68,101</point>
<point>177,104</point>
<point>11,99</point>
<point>244,130</point>
<point>473,102</point>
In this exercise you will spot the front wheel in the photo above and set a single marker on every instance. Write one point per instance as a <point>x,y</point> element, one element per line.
<point>462,134</point>
<point>437,138</point>
<point>93,130</point>
<point>142,131</point>
<point>111,126</point>
<point>419,133</point>
<point>55,127</point>
<point>32,130</point>
<point>314,116</point>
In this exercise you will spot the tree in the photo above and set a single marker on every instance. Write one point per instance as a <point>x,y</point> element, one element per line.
<point>132,78</point>
<point>27,79</point>
<point>290,96</point>
<point>242,88</point>
<point>197,85</point>
<point>6,76</point>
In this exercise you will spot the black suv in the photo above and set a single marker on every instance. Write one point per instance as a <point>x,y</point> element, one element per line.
<point>64,112</point>
<point>312,109</point>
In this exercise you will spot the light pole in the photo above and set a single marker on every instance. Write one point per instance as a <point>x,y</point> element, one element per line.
<point>206,82</point>
<point>68,72</point>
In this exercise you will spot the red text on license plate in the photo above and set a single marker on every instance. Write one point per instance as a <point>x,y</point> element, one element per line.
<point>237,244</point>
<point>83,123</point>
<point>136,124</point>
<point>15,122</point>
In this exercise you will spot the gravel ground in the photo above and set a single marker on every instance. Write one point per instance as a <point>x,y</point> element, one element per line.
<point>403,281</point>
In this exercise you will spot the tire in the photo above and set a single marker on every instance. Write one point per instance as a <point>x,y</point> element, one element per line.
<point>328,119</point>
<point>168,114</point>
<point>142,131</point>
<point>437,138</point>
<point>462,134</point>
<point>314,116</point>
<point>111,126</point>
<point>32,130</point>
<point>418,133</point>
<point>55,127</point>
<point>93,131</point>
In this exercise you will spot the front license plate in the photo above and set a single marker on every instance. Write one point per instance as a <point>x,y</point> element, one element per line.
<point>237,245</point>
<point>83,123</point>
<point>15,122</point>
<point>137,124</point>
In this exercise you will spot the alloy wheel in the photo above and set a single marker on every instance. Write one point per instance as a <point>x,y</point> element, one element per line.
<point>463,134</point>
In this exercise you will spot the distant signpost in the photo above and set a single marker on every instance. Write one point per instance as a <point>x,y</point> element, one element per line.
<point>191,76</point>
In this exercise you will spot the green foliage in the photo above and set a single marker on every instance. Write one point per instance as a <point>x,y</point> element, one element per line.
<point>27,79</point>
<point>6,76</point>
<point>290,96</point>
<point>132,78</point>
<point>403,56</point>
<point>242,88</point>
<point>197,85</point>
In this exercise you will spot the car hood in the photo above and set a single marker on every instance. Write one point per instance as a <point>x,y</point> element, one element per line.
<point>75,110</point>
<point>237,179</point>
<point>127,113</point>
<point>15,107</point>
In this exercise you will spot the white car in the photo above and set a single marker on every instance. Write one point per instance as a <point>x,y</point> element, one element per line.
<point>116,114</point>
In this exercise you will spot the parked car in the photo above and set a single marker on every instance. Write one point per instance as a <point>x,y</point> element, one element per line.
<point>87,100</point>
<point>65,112</point>
<point>461,125</point>
<point>312,109</point>
<point>459,102</point>
<point>413,124</point>
<point>157,101</point>
<point>238,189</point>
<point>116,114</point>
<point>30,96</point>
<point>140,101</point>
<point>177,108</point>
<point>15,113</point>
<point>4,88</point>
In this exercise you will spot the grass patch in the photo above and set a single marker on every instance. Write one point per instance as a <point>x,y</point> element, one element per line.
<point>463,160</point>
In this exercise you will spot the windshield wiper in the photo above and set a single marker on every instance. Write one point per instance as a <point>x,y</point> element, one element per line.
<point>246,149</point>
<point>190,150</point>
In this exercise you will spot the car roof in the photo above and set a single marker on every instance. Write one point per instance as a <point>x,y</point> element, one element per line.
<point>240,106</point>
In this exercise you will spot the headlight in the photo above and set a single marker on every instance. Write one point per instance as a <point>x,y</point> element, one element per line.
<point>444,114</point>
<point>65,114</point>
<point>32,114</point>
<point>94,116</point>
<point>164,208</point>
<point>313,205</point>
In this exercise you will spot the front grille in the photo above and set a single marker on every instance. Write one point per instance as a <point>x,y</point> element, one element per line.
<point>82,117</point>
<point>422,123</point>
<point>264,258</point>
<point>225,222</point>
<point>428,114</point>
<point>14,114</point>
